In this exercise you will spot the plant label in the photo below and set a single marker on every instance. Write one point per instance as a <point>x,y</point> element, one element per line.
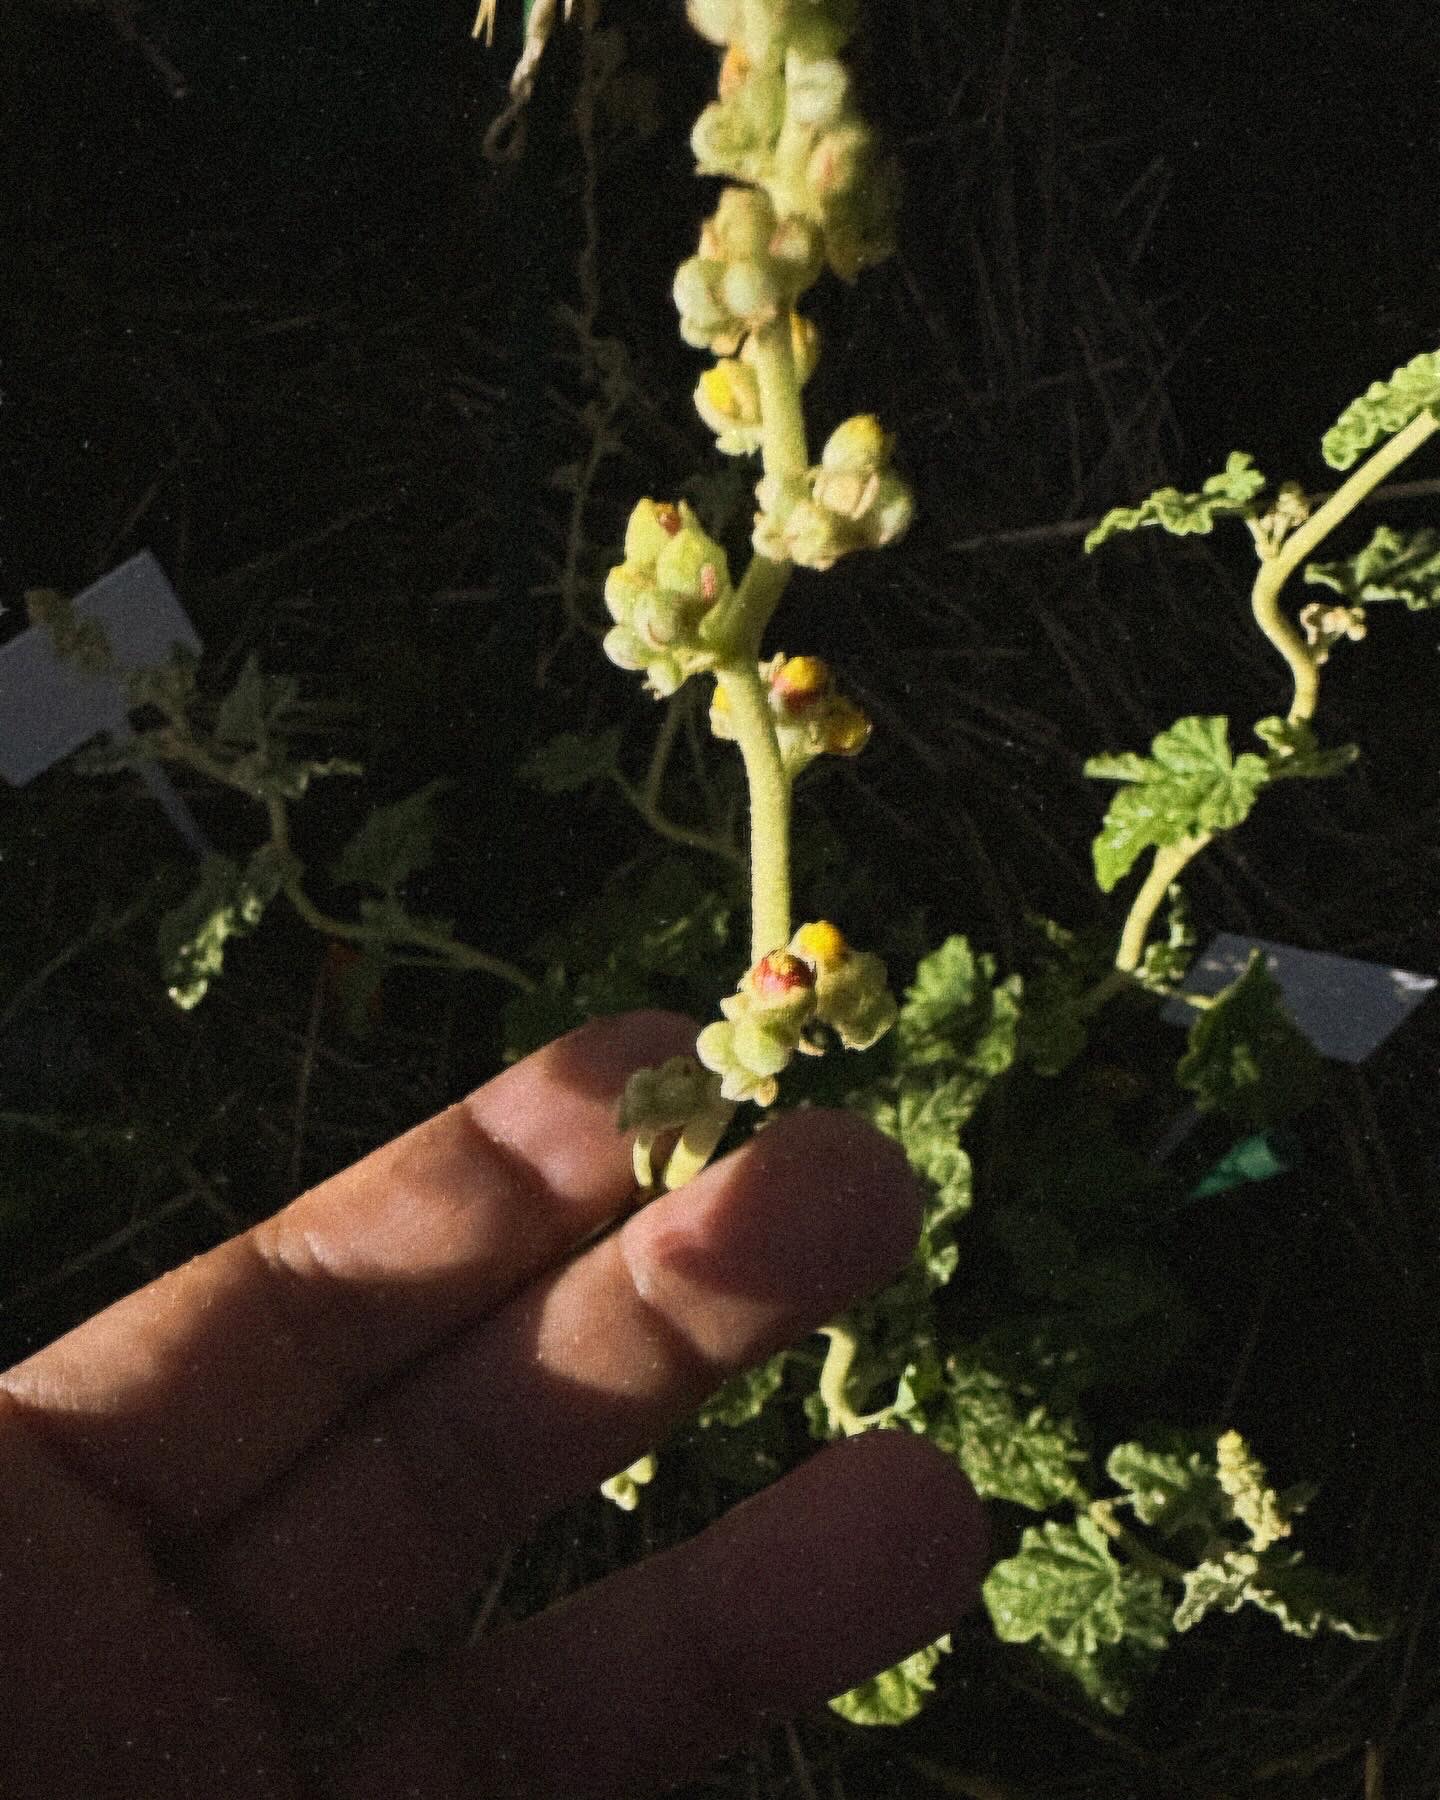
<point>48,708</point>
<point>1346,1008</point>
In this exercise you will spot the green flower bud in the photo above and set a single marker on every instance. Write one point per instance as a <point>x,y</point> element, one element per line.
<point>727,398</point>
<point>891,512</point>
<point>858,447</point>
<point>816,92</point>
<point>662,596</point>
<point>750,292</point>
<point>851,990</point>
<point>717,20</point>
<point>849,494</point>
<point>651,526</point>
<point>664,1099</point>
<point>716,1048</point>
<point>741,226</point>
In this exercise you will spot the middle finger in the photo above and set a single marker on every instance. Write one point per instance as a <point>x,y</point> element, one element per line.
<point>394,1517</point>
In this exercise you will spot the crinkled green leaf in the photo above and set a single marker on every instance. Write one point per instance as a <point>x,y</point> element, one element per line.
<point>255,706</point>
<point>1295,751</point>
<point>1252,1501</point>
<point>228,902</point>
<point>895,1695</point>
<point>1010,1447</point>
<point>572,760</point>
<point>1383,409</point>
<point>926,1114</point>
<point>1247,1058</point>
<point>745,1395</point>
<point>1394,565</point>
<point>1065,1587</point>
<point>1189,784</point>
<point>1171,1491</point>
<point>1061,966</point>
<point>1109,1675</point>
<point>392,843</point>
<point>1232,491</point>
<point>1306,1601</point>
<point>955,1013</point>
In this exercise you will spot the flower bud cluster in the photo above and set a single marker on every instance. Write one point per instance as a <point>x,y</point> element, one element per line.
<point>727,396</point>
<point>667,598</point>
<point>752,265</point>
<point>853,500</point>
<point>1325,626</point>
<point>661,1100</point>
<point>786,120</point>
<point>818,981</point>
<point>818,27</point>
<point>811,719</point>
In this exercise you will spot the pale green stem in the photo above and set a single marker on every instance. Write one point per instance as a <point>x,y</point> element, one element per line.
<point>783,448</point>
<point>447,950</point>
<point>1102,1513</point>
<point>769,785</point>
<point>1170,859</point>
<point>1276,571</point>
<point>676,834</point>
<point>834,1381</point>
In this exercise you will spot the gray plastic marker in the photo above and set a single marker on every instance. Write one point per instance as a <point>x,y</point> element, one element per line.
<point>49,708</point>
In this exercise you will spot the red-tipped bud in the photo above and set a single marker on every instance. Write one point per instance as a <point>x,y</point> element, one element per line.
<point>800,681</point>
<point>779,975</point>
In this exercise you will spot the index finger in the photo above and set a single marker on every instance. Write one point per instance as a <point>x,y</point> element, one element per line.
<point>188,1397</point>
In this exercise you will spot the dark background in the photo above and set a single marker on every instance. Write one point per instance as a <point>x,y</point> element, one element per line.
<point>294,334</point>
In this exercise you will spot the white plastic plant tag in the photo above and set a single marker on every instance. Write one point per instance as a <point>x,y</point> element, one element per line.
<point>49,708</point>
<point>1346,1008</point>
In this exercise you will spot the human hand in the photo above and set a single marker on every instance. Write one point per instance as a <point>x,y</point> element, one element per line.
<point>230,1503</point>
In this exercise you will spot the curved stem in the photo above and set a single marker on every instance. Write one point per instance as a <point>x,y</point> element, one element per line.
<point>676,834</point>
<point>834,1379</point>
<point>1276,570</point>
<point>446,950</point>
<point>1170,859</point>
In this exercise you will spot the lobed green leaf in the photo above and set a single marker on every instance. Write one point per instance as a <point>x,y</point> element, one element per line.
<point>1383,409</point>
<point>393,842</point>
<point>1190,784</point>
<point>1247,1058</point>
<point>1394,565</point>
<point>895,1695</point>
<point>228,902</point>
<point>1066,1588</point>
<point>1232,491</point>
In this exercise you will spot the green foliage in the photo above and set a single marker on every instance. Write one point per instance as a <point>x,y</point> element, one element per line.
<point>657,934</point>
<point>572,761</point>
<point>1394,565</point>
<point>1189,785</point>
<point>895,1695</point>
<point>1011,1447</point>
<point>1066,1587</point>
<point>956,1032</point>
<point>1295,751</point>
<point>1383,409</point>
<point>1247,1058</point>
<point>957,1017</point>
<point>392,844</point>
<point>746,1395</point>
<point>228,902</point>
<point>1230,493</point>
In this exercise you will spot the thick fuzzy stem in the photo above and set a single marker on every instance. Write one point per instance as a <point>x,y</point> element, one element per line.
<point>769,787</point>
